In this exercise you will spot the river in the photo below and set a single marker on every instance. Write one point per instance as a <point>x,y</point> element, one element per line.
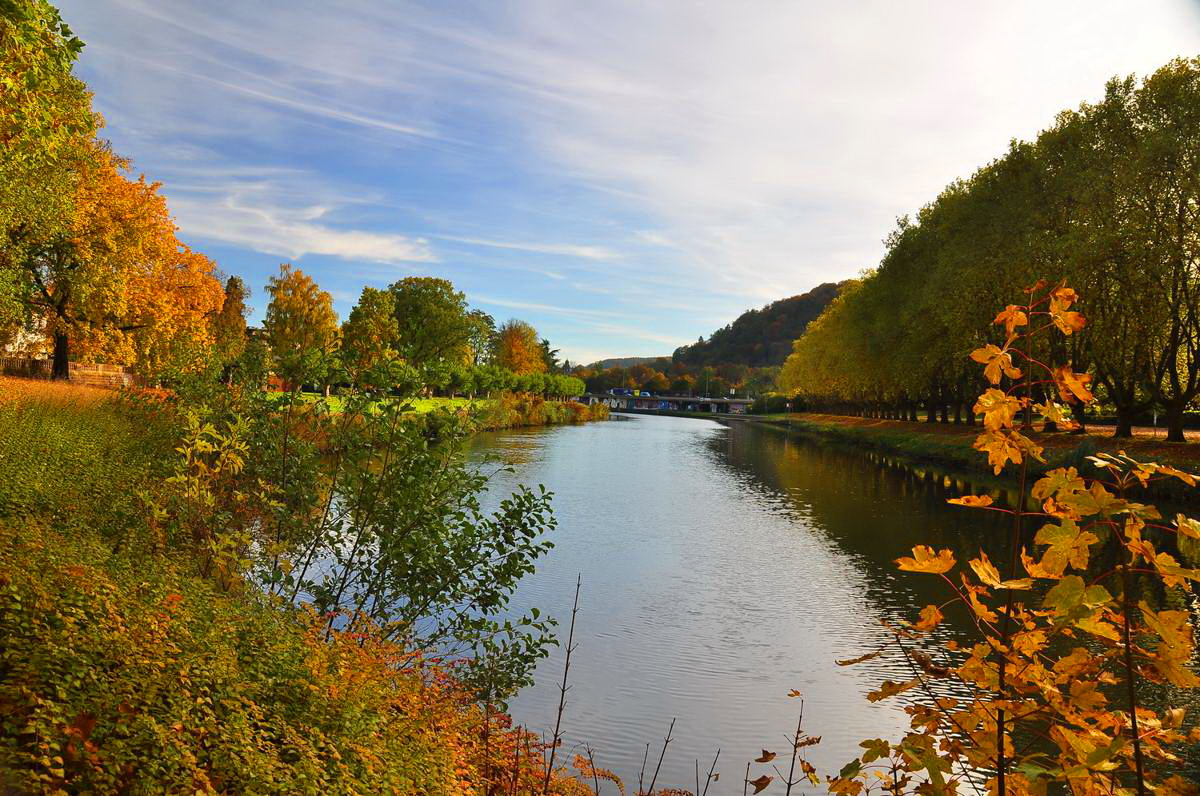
<point>724,566</point>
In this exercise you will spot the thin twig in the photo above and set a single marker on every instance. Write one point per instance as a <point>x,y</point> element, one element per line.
<point>711,769</point>
<point>562,689</point>
<point>666,742</point>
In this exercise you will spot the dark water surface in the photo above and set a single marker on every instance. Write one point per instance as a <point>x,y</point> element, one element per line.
<point>723,567</point>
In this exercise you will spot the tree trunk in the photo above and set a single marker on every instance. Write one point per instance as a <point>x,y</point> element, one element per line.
<point>1124,424</point>
<point>931,414</point>
<point>1175,423</point>
<point>944,416</point>
<point>1077,411</point>
<point>62,357</point>
<point>958,407</point>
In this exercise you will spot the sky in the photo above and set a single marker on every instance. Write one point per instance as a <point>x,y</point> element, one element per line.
<point>627,176</point>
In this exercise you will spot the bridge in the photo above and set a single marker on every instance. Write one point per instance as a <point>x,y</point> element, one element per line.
<point>669,403</point>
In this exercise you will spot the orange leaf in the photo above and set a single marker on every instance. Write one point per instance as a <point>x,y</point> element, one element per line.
<point>767,757</point>
<point>761,783</point>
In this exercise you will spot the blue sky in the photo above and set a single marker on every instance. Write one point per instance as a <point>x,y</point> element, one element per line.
<point>627,176</point>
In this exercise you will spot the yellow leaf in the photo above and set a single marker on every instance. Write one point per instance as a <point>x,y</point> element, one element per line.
<point>1073,386</point>
<point>931,617</point>
<point>972,501</point>
<point>998,408</point>
<point>997,362</point>
<point>924,559</point>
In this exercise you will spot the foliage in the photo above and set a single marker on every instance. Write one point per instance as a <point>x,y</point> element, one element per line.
<point>518,349</point>
<point>229,328</point>
<point>137,652</point>
<point>1053,692</point>
<point>1105,199</point>
<point>762,337</point>
<point>117,286</point>
<point>300,327</point>
<point>46,125</point>
<point>432,322</point>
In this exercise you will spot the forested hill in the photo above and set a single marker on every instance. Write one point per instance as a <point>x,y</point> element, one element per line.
<point>626,362</point>
<point>760,338</point>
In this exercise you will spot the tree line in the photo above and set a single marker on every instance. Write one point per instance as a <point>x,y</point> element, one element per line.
<point>1106,198</point>
<point>417,334</point>
<point>92,269</point>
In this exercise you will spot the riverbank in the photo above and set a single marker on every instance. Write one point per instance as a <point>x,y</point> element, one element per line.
<point>950,445</point>
<point>504,411</point>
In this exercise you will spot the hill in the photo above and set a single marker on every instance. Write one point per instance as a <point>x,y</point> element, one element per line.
<point>625,362</point>
<point>762,337</point>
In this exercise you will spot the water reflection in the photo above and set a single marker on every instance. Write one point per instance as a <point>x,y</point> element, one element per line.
<point>723,567</point>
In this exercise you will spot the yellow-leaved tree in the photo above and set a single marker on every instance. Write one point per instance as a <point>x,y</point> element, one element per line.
<point>1082,617</point>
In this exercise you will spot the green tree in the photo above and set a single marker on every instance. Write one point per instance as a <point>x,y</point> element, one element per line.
<point>370,335</point>
<point>229,328</point>
<point>432,322</point>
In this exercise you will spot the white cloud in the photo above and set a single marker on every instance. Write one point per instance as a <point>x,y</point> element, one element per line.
<point>256,215</point>
<point>565,249</point>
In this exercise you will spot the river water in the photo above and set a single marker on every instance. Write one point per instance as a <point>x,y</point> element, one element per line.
<point>723,567</point>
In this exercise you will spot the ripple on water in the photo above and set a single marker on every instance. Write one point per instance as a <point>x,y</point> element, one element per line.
<point>716,578</point>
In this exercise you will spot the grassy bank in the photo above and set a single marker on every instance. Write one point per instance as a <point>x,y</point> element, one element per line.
<point>507,410</point>
<point>950,445</point>
<point>124,668</point>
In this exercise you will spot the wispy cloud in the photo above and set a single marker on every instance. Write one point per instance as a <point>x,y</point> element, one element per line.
<point>678,162</point>
<point>565,249</point>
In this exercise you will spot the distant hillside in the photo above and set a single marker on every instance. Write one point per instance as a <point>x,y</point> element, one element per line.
<point>625,362</point>
<point>760,337</point>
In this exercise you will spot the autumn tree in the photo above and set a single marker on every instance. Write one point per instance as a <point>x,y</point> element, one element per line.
<point>301,327</point>
<point>117,285</point>
<point>518,348</point>
<point>370,335</point>
<point>229,327</point>
<point>432,322</point>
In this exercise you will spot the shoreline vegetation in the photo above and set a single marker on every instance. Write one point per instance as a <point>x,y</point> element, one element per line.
<point>951,446</point>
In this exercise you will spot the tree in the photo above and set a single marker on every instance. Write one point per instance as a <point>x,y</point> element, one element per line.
<point>549,356</point>
<point>370,335</point>
<point>117,283</point>
<point>432,322</point>
<point>229,328</point>
<point>301,327</point>
<point>518,348</point>
<point>482,336</point>
<point>657,383</point>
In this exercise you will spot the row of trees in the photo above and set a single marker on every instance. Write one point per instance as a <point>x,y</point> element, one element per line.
<point>665,376</point>
<point>92,270</point>
<point>417,332</point>
<point>1107,199</point>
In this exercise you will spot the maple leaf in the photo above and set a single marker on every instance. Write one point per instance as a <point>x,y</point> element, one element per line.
<point>1011,316</point>
<point>998,408</point>
<point>890,689</point>
<point>767,757</point>
<point>761,783</point>
<point>1073,386</point>
<point>997,362</point>
<point>1174,650</point>
<point>988,573</point>
<point>931,617</point>
<point>924,559</point>
<point>1073,600</point>
<point>860,658</point>
<point>1187,526</point>
<point>1005,446</point>
<point>1067,545</point>
<point>972,501</point>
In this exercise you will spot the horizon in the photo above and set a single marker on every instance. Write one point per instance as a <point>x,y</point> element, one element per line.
<point>624,178</point>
